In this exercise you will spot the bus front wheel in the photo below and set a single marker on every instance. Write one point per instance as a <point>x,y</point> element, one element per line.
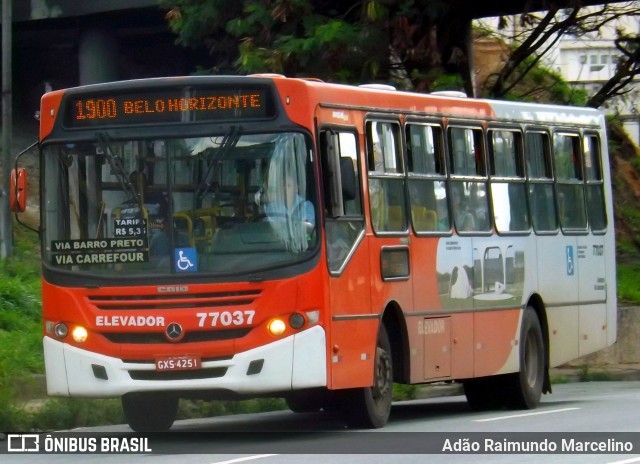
<point>370,407</point>
<point>149,412</point>
<point>524,388</point>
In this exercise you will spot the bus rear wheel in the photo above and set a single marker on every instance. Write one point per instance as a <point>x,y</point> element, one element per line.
<point>150,412</point>
<point>370,407</point>
<point>524,388</point>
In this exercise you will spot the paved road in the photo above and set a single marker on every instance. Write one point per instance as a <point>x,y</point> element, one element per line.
<point>417,432</point>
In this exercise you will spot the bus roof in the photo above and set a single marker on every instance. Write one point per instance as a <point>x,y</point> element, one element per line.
<point>453,104</point>
<point>370,98</point>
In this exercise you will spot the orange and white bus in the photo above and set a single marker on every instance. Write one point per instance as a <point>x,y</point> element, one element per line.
<point>233,237</point>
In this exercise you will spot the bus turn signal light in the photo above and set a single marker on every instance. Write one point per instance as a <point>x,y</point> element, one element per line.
<point>277,327</point>
<point>79,334</point>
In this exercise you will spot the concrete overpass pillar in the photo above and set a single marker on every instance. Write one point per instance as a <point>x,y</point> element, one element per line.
<point>98,56</point>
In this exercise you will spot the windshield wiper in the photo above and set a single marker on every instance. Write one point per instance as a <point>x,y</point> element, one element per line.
<point>118,169</point>
<point>228,142</point>
<point>125,184</point>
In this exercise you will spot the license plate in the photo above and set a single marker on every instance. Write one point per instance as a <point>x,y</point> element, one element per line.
<point>178,363</point>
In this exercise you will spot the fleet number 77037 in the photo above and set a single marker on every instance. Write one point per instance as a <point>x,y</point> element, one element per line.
<point>225,318</point>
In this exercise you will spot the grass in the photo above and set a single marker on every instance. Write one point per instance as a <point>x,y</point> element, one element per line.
<point>20,330</point>
<point>587,375</point>
<point>628,289</point>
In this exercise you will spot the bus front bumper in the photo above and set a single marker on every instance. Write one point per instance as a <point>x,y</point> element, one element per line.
<point>294,362</point>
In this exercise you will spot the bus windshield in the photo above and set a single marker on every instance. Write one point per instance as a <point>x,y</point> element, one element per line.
<point>232,203</point>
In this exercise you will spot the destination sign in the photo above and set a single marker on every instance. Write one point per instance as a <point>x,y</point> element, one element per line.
<point>168,106</point>
<point>99,251</point>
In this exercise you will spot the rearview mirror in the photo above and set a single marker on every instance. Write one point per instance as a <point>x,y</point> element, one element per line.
<point>18,190</point>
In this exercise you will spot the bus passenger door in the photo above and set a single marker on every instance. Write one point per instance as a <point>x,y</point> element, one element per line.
<point>348,262</point>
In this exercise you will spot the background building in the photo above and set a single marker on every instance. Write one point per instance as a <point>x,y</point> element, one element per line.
<point>589,61</point>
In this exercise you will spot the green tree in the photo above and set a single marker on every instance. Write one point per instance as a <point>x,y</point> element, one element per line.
<point>628,68</point>
<point>420,45</point>
<point>372,40</point>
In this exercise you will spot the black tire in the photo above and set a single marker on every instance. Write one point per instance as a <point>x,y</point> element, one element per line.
<point>483,394</point>
<point>524,388</point>
<point>149,412</point>
<point>370,407</point>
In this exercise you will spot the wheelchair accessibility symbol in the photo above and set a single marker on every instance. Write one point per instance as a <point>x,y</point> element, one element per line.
<point>570,261</point>
<point>186,260</point>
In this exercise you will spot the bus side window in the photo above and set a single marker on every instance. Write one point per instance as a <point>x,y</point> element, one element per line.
<point>569,182</point>
<point>339,152</point>
<point>386,179</point>
<point>595,185</point>
<point>508,193</point>
<point>469,199</point>
<point>542,202</point>
<point>427,178</point>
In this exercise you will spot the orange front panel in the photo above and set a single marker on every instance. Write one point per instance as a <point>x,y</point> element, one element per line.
<point>352,352</point>
<point>130,323</point>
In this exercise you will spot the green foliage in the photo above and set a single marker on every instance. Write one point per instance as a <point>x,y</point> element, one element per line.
<point>20,347</point>
<point>628,290</point>
<point>409,42</point>
<point>402,392</point>
<point>20,330</point>
<point>559,379</point>
<point>13,417</point>
<point>333,41</point>
<point>627,252</point>
<point>66,413</point>
<point>537,83</point>
<point>447,82</point>
<point>196,408</point>
<point>587,375</point>
<point>630,215</point>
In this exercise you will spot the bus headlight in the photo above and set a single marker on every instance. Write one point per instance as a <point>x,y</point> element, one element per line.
<point>276,327</point>
<point>61,330</point>
<point>79,334</point>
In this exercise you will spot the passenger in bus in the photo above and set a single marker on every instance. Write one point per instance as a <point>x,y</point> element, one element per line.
<point>463,217</point>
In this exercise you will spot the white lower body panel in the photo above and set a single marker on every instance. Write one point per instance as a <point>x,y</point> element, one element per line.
<point>295,362</point>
